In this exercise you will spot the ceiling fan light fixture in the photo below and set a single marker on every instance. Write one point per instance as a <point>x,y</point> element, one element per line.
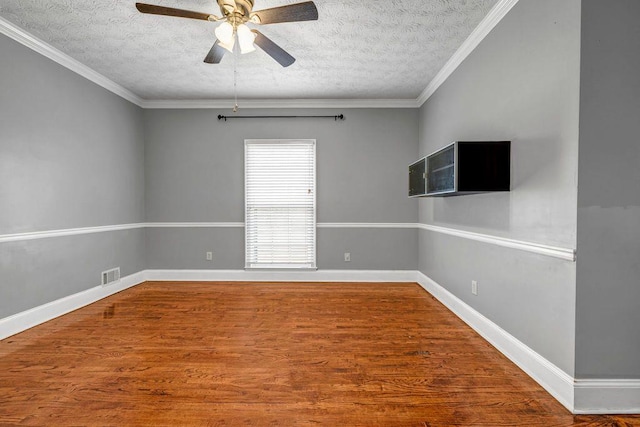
<point>226,36</point>
<point>245,39</point>
<point>237,13</point>
<point>228,46</point>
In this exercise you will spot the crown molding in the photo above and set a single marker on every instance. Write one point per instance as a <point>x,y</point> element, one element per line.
<point>21,36</point>
<point>277,103</point>
<point>490,21</point>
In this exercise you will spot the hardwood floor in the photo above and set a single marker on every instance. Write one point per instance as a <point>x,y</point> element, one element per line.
<point>240,354</point>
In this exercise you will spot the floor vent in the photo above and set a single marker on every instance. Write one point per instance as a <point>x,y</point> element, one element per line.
<point>110,276</point>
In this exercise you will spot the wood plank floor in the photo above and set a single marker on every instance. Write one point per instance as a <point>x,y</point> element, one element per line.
<point>239,354</point>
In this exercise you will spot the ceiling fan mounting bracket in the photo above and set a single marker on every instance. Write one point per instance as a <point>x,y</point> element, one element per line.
<point>236,11</point>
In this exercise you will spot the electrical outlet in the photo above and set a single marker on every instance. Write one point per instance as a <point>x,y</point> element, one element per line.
<point>474,287</point>
<point>209,256</point>
<point>347,257</point>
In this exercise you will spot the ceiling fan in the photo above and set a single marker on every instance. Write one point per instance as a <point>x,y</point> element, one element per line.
<point>235,15</point>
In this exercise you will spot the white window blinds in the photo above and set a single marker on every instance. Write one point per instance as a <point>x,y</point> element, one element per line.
<point>280,204</point>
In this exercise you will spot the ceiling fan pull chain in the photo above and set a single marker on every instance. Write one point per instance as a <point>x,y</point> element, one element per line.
<point>235,80</point>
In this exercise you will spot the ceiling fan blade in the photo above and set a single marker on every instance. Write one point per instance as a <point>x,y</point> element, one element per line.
<point>215,54</point>
<point>273,50</point>
<point>169,11</point>
<point>305,11</point>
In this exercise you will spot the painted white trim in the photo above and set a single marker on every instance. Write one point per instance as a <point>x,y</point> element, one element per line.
<point>318,225</point>
<point>227,104</point>
<point>90,230</point>
<point>568,254</point>
<point>28,319</point>
<point>492,19</point>
<point>21,36</point>
<point>557,382</point>
<point>366,225</point>
<point>66,232</point>
<point>595,396</point>
<point>101,229</point>
<point>281,275</point>
<point>194,225</point>
<point>486,25</point>
<point>26,39</point>
<point>602,396</point>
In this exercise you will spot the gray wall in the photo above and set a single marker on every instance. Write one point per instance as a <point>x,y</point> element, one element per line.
<point>608,267</point>
<point>520,84</point>
<point>71,155</point>
<point>195,172</point>
<point>74,155</point>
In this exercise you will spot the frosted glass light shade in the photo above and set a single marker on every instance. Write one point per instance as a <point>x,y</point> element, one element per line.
<point>245,39</point>
<point>225,36</point>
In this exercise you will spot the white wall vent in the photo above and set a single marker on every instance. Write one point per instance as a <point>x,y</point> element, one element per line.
<point>110,276</point>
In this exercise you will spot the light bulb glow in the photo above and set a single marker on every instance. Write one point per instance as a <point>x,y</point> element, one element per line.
<point>225,35</point>
<point>245,39</point>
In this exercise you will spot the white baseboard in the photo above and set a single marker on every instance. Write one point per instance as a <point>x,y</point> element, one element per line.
<point>28,319</point>
<point>594,396</point>
<point>282,275</point>
<point>600,396</point>
<point>557,382</point>
<point>597,396</point>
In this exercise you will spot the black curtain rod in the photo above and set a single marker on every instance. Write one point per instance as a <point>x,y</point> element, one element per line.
<point>336,118</point>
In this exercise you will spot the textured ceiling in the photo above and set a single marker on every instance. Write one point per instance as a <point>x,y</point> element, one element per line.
<point>356,50</point>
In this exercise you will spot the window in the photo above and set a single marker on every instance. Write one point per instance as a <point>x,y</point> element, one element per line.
<point>280,203</point>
